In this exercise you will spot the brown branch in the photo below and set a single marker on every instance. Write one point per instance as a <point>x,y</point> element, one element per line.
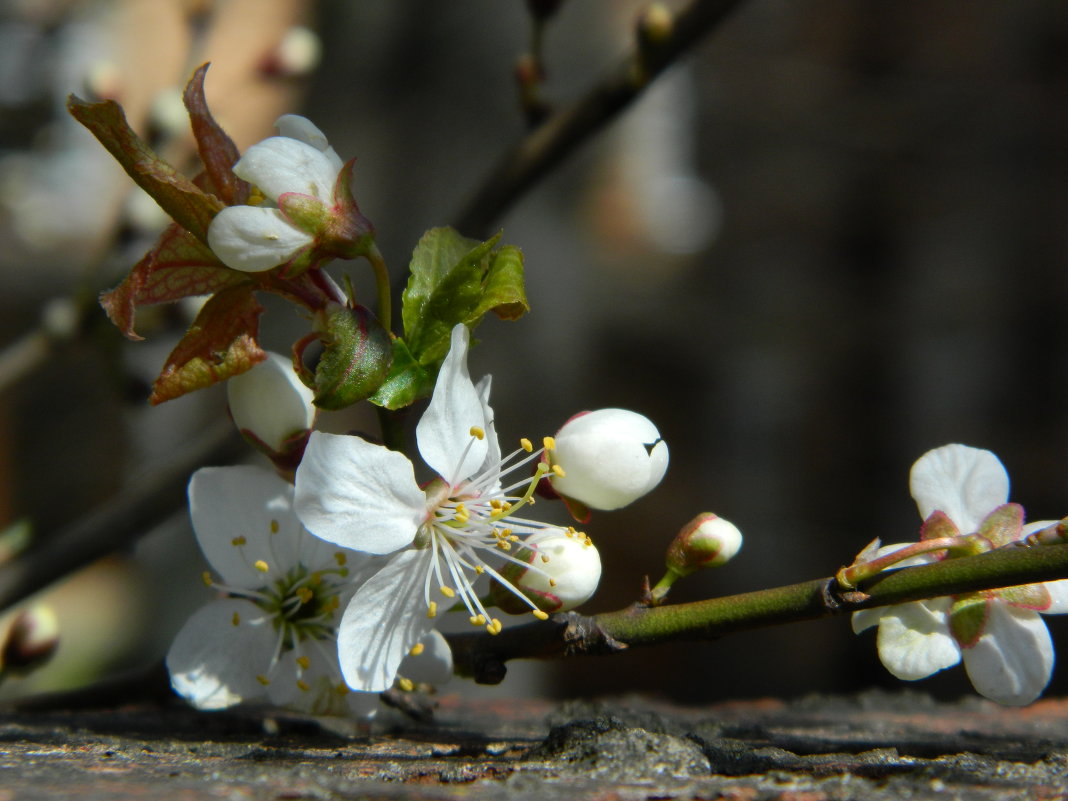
<point>144,504</point>
<point>537,153</point>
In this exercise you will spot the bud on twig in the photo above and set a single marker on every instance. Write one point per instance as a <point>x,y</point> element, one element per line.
<point>706,541</point>
<point>357,355</point>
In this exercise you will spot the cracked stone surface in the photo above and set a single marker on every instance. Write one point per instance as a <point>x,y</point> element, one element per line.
<point>873,746</point>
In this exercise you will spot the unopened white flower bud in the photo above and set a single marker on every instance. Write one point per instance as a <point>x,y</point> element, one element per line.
<point>706,541</point>
<point>562,572</point>
<point>270,402</point>
<point>608,458</point>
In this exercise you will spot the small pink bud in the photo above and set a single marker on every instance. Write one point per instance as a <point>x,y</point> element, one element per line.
<point>706,541</point>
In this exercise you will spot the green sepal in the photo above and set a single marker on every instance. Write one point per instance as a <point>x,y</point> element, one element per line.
<point>357,355</point>
<point>938,525</point>
<point>217,150</point>
<point>1004,525</point>
<point>407,382</point>
<point>1027,596</point>
<point>221,343</point>
<point>457,280</point>
<point>967,618</point>
<point>184,201</point>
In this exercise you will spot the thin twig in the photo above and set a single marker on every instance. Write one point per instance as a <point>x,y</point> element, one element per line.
<point>146,502</point>
<point>537,153</point>
<point>483,656</point>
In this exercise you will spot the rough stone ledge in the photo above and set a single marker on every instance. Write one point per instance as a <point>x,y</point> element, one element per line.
<point>874,746</point>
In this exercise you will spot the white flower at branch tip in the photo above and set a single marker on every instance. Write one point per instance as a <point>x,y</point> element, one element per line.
<point>299,160</point>
<point>271,634</point>
<point>999,634</point>
<point>441,537</point>
<point>271,403</point>
<point>608,458</point>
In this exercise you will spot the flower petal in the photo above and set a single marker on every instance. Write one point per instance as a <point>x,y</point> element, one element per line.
<point>965,483</point>
<point>243,514</point>
<point>1058,596</point>
<point>1013,660</point>
<point>280,164</point>
<point>386,617</point>
<point>358,495</point>
<point>914,640</point>
<point>253,239</point>
<point>213,662</point>
<point>317,689</point>
<point>301,128</point>
<point>444,431</point>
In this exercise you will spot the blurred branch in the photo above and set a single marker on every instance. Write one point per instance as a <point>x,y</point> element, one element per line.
<point>148,500</point>
<point>537,153</point>
<point>483,656</point>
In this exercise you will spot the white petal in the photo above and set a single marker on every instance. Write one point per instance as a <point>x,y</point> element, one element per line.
<point>492,463</point>
<point>914,640</point>
<point>296,127</point>
<point>253,239</point>
<point>317,689</point>
<point>280,164</point>
<point>386,617</point>
<point>270,401</point>
<point>1058,595</point>
<point>965,483</point>
<point>243,502</point>
<point>213,663</point>
<point>433,665</point>
<point>1013,660</point>
<point>358,495</point>
<point>444,431</point>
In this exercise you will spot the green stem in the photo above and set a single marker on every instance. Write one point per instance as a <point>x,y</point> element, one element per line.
<point>850,577</point>
<point>385,300</point>
<point>483,656</point>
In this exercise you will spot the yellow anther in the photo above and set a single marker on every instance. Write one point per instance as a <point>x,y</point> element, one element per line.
<point>448,592</point>
<point>261,566</point>
<point>495,504</point>
<point>263,680</point>
<point>406,684</point>
<point>558,471</point>
<point>274,526</point>
<point>238,541</point>
<point>342,689</point>
<point>206,577</point>
<point>497,626</point>
<point>304,662</point>
<point>506,506</point>
<point>514,538</point>
<point>236,619</point>
<point>332,604</point>
<point>340,558</point>
<point>506,532</point>
<point>477,432</point>
<point>305,595</point>
<point>315,579</point>
<point>478,620</point>
<point>303,685</point>
<point>526,445</point>
<point>479,570</point>
<point>432,609</point>
<point>544,557</point>
<point>504,545</point>
<point>552,582</point>
<point>540,615</point>
<point>548,443</point>
<point>417,649</point>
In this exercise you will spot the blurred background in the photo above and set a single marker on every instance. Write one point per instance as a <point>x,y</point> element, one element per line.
<point>831,238</point>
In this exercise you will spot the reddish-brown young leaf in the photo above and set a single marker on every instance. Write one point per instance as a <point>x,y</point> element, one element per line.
<point>219,344</point>
<point>178,266</point>
<point>186,203</point>
<point>217,150</point>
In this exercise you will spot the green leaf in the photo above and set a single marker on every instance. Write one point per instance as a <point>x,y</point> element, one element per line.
<point>178,266</point>
<point>457,280</point>
<point>186,203</point>
<point>356,358</point>
<point>219,344</point>
<point>407,380</point>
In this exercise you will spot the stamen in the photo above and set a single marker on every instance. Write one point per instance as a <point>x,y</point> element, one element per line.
<point>261,566</point>
<point>558,471</point>
<point>549,443</point>
<point>540,615</point>
<point>477,432</point>
<point>432,609</point>
<point>406,684</point>
<point>304,662</point>
<point>274,526</point>
<point>342,689</point>
<point>417,649</point>
<point>237,542</point>
<point>303,685</point>
<point>340,558</point>
<point>236,619</point>
<point>206,577</point>
<point>448,592</point>
<point>526,445</point>
<point>263,680</point>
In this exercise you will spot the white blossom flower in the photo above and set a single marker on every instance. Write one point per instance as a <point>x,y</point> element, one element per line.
<point>271,636</point>
<point>365,497</point>
<point>297,162</point>
<point>1006,647</point>
<point>271,403</point>
<point>609,458</point>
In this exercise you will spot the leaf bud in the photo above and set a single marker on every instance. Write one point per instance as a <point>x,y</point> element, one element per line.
<point>357,355</point>
<point>562,571</point>
<point>272,409</point>
<point>706,541</point>
<point>607,458</point>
